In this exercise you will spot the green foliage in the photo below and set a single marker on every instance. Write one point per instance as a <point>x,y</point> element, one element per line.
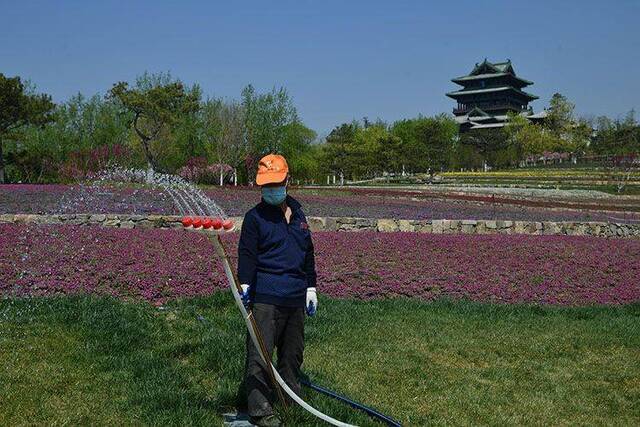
<point>338,147</point>
<point>297,147</point>
<point>223,131</point>
<point>560,118</point>
<point>164,124</point>
<point>80,126</point>
<point>493,146</point>
<point>617,137</point>
<point>19,107</point>
<point>427,142</point>
<point>530,138</point>
<point>571,135</point>
<point>266,115</point>
<point>158,103</point>
<point>374,149</point>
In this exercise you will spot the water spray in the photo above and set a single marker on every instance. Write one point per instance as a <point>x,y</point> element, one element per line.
<point>201,214</point>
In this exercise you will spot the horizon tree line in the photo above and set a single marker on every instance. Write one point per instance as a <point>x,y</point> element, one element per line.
<point>158,122</point>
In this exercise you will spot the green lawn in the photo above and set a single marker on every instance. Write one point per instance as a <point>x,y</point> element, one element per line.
<point>78,360</point>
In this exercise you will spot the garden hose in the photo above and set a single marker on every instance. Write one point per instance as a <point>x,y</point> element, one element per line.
<point>369,411</point>
<point>254,333</point>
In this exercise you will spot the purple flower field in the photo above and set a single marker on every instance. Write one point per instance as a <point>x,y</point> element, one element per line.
<point>158,265</point>
<point>235,201</point>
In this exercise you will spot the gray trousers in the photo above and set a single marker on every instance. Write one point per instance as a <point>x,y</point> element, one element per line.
<point>282,328</point>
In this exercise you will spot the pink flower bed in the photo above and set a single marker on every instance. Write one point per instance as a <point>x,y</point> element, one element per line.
<point>235,201</point>
<point>157,265</point>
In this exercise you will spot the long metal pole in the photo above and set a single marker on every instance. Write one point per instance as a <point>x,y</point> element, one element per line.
<point>262,348</point>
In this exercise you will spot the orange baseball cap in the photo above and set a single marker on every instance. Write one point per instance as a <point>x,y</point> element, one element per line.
<point>272,169</point>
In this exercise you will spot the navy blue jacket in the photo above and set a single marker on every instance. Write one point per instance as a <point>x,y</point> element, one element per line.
<point>276,259</point>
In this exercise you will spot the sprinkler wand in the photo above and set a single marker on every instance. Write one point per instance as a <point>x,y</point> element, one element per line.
<point>214,235</point>
<point>262,348</point>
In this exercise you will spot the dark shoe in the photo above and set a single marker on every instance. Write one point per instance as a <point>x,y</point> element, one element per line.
<point>266,421</point>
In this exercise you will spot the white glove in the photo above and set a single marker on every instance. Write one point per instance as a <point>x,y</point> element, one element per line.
<point>245,294</point>
<point>312,301</point>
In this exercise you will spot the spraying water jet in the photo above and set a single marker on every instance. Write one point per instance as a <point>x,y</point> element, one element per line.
<point>201,214</point>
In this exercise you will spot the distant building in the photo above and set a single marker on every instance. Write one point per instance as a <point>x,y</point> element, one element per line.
<point>489,93</point>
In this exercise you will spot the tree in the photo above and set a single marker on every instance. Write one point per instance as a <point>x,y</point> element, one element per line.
<point>618,137</point>
<point>296,147</point>
<point>571,135</point>
<point>157,102</point>
<point>560,118</point>
<point>488,143</point>
<point>337,148</point>
<point>527,137</point>
<point>427,142</point>
<point>266,116</point>
<point>19,107</point>
<point>224,133</point>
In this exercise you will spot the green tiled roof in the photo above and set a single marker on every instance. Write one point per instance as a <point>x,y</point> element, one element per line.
<point>477,112</point>
<point>496,67</point>
<point>502,66</point>
<point>488,90</point>
<point>489,76</point>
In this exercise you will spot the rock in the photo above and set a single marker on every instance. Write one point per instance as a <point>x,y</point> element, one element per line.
<point>406,225</point>
<point>521,227</point>
<point>366,223</point>
<point>111,223</point>
<point>491,225</point>
<point>387,225</point>
<point>423,226</point>
<point>454,226</point>
<point>7,218</point>
<point>316,223</point>
<point>97,218</point>
<point>330,224</point>
<point>468,226</point>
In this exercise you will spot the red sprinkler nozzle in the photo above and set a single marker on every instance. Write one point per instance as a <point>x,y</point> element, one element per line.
<point>206,223</point>
<point>227,224</point>
<point>197,222</point>
<point>187,221</point>
<point>216,223</point>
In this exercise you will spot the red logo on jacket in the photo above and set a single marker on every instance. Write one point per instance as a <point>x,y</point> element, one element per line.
<point>304,226</point>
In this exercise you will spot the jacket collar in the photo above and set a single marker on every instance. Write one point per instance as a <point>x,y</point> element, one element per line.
<point>291,202</point>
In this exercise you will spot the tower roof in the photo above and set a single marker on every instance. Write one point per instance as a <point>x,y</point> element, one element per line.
<point>488,70</point>
<point>493,67</point>
<point>463,92</point>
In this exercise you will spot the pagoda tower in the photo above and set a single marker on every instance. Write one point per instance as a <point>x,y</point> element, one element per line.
<point>488,94</point>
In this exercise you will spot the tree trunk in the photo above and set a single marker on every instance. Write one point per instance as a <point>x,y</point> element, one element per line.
<point>146,140</point>
<point>1,164</point>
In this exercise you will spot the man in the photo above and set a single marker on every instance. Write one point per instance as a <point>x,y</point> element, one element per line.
<point>276,268</point>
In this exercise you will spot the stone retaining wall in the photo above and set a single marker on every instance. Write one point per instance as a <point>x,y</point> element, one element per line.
<point>444,226</point>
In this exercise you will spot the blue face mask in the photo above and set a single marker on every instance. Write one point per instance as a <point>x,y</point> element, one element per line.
<point>274,195</point>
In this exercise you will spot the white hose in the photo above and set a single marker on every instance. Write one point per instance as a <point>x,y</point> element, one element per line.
<point>254,338</point>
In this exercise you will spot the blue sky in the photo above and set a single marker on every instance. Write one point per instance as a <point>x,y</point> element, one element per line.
<point>339,60</point>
